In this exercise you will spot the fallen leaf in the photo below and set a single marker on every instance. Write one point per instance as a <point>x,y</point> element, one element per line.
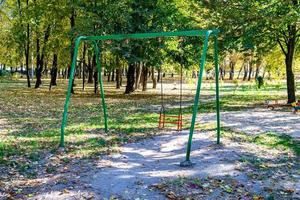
<point>171,195</point>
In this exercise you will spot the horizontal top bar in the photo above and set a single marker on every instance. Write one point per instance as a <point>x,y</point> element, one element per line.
<point>151,35</point>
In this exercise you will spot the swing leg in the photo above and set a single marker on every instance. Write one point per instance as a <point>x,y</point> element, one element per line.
<point>162,119</point>
<point>181,122</point>
<point>178,121</point>
<point>159,120</point>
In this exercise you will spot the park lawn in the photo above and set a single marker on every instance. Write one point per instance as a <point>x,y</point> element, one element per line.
<point>30,122</point>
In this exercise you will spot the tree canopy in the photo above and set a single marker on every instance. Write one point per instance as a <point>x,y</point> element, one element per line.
<point>35,31</point>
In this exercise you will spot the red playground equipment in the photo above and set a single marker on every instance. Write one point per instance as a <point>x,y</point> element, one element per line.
<point>170,119</point>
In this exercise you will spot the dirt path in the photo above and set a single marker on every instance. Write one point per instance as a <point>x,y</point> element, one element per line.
<point>129,175</point>
<point>259,121</point>
<point>146,163</point>
<point>143,164</point>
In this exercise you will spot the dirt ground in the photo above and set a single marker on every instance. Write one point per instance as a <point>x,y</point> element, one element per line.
<point>150,169</point>
<point>258,121</point>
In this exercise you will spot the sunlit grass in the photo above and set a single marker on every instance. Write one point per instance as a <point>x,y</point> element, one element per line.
<point>274,140</point>
<point>270,140</point>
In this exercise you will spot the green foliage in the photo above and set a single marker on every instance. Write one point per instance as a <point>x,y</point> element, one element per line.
<point>4,75</point>
<point>96,18</point>
<point>250,31</point>
<point>259,82</point>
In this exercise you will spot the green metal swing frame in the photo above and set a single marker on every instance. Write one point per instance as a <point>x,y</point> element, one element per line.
<point>201,33</point>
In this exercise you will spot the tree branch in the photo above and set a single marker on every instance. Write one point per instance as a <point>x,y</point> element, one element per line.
<point>284,36</point>
<point>297,30</point>
<point>297,38</point>
<point>282,48</point>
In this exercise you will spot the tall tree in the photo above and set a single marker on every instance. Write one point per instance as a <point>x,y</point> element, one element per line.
<point>255,24</point>
<point>27,49</point>
<point>40,60</point>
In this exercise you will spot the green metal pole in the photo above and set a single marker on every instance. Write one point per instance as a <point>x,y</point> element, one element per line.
<point>99,67</point>
<point>152,35</point>
<point>196,102</point>
<point>216,52</point>
<point>65,114</point>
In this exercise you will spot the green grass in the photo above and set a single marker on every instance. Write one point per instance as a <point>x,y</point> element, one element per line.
<point>270,140</point>
<point>276,141</point>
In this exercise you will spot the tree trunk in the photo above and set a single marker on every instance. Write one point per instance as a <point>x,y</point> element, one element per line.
<point>90,69</point>
<point>95,75</point>
<point>96,81</point>
<point>245,71</point>
<point>53,72</point>
<point>118,78</point>
<point>121,76</point>
<point>258,66</point>
<point>138,75</point>
<point>26,45</point>
<point>223,69</point>
<point>232,66</point>
<point>250,70</point>
<point>118,73</point>
<point>145,71</point>
<point>79,72</point>
<point>141,76</point>
<point>290,82</point>
<point>46,67</point>
<point>38,71</point>
<point>264,72</point>
<point>289,52</point>
<point>291,45</point>
<point>290,79</point>
<point>194,74</point>
<point>130,78</point>
<point>40,59</point>
<point>113,76</point>
<point>154,80</point>
<point>206,74</point>
<point>109,76</point>
<point>222,72</point>
<point>68,72</point>
<point>240,71</point>
<point>72,26</point>
<point>65,73</point>
<point>22,69</point>
<point>83,66</point>
<point>158,75</point>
